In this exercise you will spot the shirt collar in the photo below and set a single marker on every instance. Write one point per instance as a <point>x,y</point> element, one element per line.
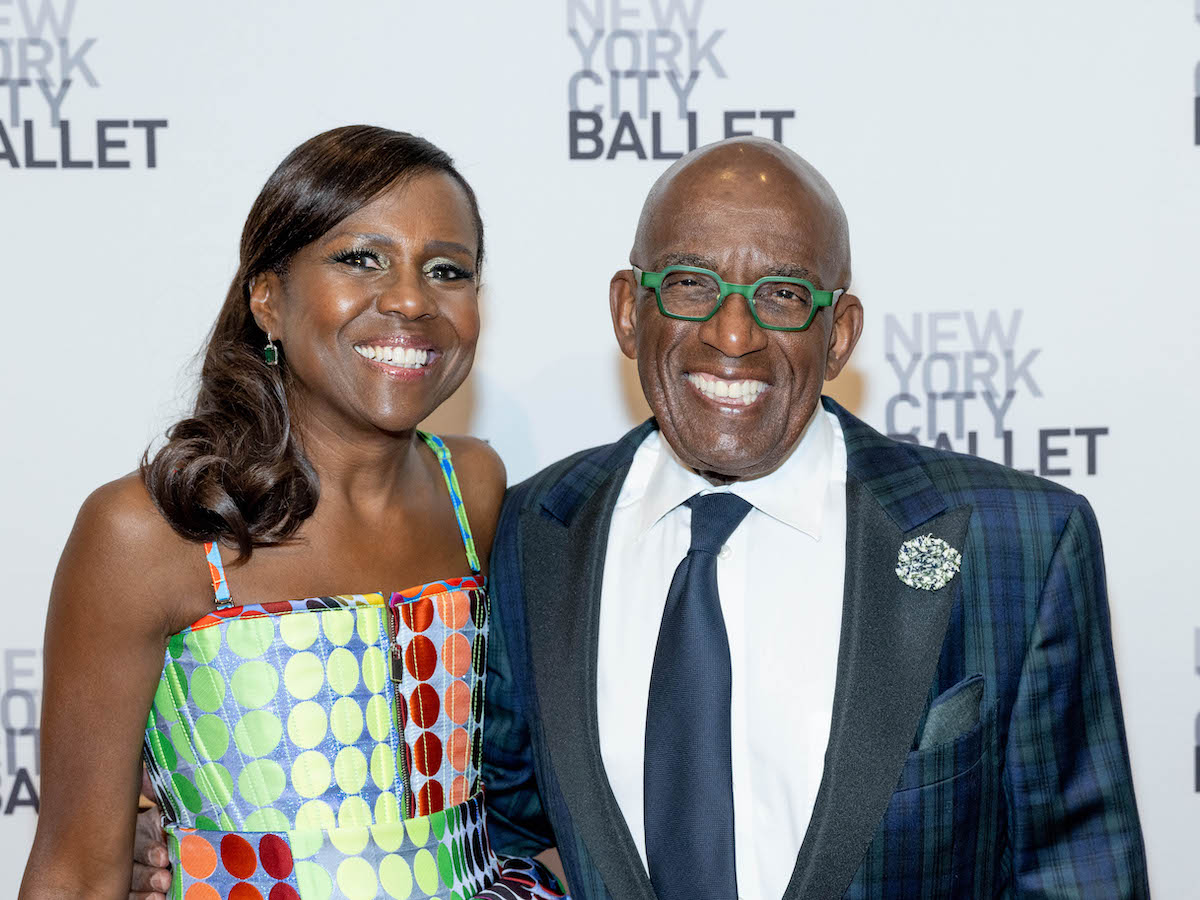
<point>793,494</point>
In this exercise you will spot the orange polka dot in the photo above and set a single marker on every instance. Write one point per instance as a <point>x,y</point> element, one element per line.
<point>243,891</point>
<point>454,609</point>
<point>458,748</point>
<point>459,790</point>
<point>201,891</point>
<point>458,702</point>
<point>198,856</point>
<point>456,655</point>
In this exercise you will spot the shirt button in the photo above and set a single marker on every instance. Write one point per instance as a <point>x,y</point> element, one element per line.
<point>725,553</point>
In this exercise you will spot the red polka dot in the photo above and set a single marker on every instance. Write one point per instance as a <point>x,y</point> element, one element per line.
<point>283,891</point>
<point>458,748</point>
<point>197,855</point>
<point>418,615</point>
<point>276,856</point>
<point>458,702</point>
<point>454,609</point>
<point>201,891</point>
<point>430,799</point>
<point>238,856</point>
<point>456,655</point>
<point>421,658</point>
<point>427,753</point>
<point>278,607</point>
<point>459,790</point>
<point>425,705</point>
<point>253,614</point>
<point>243,891</point>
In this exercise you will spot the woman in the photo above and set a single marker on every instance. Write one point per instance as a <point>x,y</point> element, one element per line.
<point>326,746</point>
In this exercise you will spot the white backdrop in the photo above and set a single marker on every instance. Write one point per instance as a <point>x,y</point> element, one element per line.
<point>1022,180</point>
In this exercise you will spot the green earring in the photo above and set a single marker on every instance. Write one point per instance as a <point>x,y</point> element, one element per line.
<point>271,352</point>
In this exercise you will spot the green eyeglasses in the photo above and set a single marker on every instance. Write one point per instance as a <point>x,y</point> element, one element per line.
<point>778,303</point>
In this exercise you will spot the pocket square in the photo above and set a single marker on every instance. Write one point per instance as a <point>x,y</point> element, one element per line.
<point>953,713</point>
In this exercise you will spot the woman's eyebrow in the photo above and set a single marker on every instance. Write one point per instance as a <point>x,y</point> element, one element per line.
<point>448,247</point>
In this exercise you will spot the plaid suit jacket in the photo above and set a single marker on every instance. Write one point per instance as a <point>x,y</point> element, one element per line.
<point>977,745</point>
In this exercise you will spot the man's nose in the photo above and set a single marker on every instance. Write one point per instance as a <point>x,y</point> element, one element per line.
<point>732,330</point>
<point>409,295</point>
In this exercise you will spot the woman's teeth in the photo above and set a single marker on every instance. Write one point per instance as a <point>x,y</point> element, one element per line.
<point>733,393</point>
<point>401,357</point>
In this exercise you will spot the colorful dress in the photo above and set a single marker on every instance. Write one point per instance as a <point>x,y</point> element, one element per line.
<point>330,747</point>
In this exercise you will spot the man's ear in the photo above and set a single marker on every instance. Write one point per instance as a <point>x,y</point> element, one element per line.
<point>266,294</point>
<point>622,301</point>
<point>847,329</point>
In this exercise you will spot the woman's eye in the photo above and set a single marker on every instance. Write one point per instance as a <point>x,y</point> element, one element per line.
<point>448,272</point>
<point>360,259</point>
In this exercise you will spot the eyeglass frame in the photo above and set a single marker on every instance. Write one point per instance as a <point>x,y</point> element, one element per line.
<point>820,299</point>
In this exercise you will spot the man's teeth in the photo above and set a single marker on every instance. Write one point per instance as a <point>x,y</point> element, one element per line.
<point>401,357</point>
<point>734,393</point>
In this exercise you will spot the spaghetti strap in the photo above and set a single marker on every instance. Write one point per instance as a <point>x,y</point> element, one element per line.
<point>216,572</point>
<point>460,510</point>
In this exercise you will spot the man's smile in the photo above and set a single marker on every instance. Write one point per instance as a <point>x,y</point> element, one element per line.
<point>727,392</point>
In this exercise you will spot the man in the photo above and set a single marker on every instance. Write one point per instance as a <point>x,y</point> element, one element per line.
<point>755,649</point>
<point>900,682</point>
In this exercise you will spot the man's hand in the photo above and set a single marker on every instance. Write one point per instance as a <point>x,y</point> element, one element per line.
<point>151,877</point>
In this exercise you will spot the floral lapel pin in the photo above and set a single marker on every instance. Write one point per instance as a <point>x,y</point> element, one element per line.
<point>927,563</point>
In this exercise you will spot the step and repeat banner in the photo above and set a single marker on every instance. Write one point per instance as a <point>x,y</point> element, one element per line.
<point>1022,181</point>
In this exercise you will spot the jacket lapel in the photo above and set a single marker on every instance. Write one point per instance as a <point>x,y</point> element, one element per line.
<point>891,639</point>
<point>564,542</point>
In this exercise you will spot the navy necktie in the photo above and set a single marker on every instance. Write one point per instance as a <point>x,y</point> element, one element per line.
<point>688,766</point>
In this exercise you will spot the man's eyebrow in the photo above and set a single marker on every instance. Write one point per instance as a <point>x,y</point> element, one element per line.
<point>704,262</point>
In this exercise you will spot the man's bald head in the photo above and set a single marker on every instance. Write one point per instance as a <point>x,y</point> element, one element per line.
<point>735,172</point>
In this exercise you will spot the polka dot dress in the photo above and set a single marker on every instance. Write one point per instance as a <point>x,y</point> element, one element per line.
<point>330,747</point>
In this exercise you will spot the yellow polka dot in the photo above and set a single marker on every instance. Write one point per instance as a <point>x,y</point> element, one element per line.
<point>346,720</point>
<point>343,670</point>
<point>313,881</point>
<point>387,812</point>
<point>356,879</point>
<point>307,724</point>
<point>395,877</point>
<point>350,770</point>
<point>374,669</point>
<point>354,813</point>
<point>315,815</point>
<point>310,774</point>
<point>379,717</point>
<point>299,630</point>
<point>418,830</point>
<point>425,869</point>
<point>350,841</point>
<point>370,624</point>
<point>338,625</point>
<point>304,674</point>
<point>305,843</point>
<point>383,766</point>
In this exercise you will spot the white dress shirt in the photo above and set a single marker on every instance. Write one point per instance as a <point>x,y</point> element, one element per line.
<point>781,578</point>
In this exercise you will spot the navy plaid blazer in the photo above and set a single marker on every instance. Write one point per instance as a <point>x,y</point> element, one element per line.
<point>977,745</point>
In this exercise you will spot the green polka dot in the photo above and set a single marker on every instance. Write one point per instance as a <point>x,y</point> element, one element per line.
<point>299,630</point>
<point>458,858</point>
<point>437,821</point>
<point>338,625</point>
<point>350,770</point>
<point>182,741</point>
<point>208,688</point>
<point>161,750</point>
<point>307,724</point>
<point>175,646</point>
<point>374,669</point>
<point>313,881</point>
<point>387,812</point>
<point>212,737</point>
<point>204,644</point>
<point>177,686</point>
<point>315,815</point>
<point>370,624</point>
<point>255,683</point>
<point>162,702</point>
<point>226,823</point>
<point>343,670</point>
<point>395,877</point>
<point>261,782</point>
<point>305,843</point>
<point>310,774</point>
<point>418,830</point>
<point>350,841</point>
<point>188,795</point>
<point>249,638</point>
<point>425,870</point>
<point>204,823</point>
<point>267,819</point>
<point>346,720</point>
<point>215,783</point>
<point>383,766</point>
<point>304,675</point>
<point>356,879</point>
<point>379,717</point>
<point>445,866</point>
<point>258,733</point>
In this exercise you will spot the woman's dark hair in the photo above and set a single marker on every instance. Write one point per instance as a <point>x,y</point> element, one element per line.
<point>233,471</point>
